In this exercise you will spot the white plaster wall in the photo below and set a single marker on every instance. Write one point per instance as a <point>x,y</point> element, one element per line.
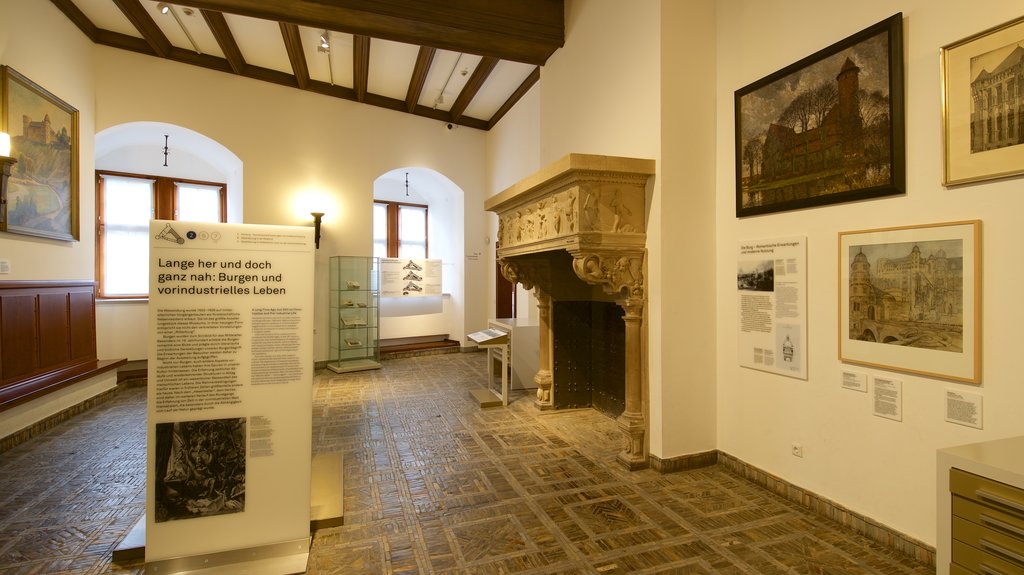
<point>513,151</point>
<point>301,149</point>
<point>880,468</point>
<point>600,93</point>
<point>682,312</point>
<point>37,40</point>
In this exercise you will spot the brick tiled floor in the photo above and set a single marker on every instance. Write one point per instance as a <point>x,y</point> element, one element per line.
<point>434,484</point>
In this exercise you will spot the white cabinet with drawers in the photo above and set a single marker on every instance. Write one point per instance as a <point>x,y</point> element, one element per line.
<point>980,508</point>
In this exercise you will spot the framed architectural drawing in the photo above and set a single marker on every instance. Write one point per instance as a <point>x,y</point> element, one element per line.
<point>983,105</point>
<point>910,299</point>
<point>826,129</point>
<point>42,192</point>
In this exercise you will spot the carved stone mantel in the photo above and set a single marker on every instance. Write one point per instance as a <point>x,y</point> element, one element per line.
<point>592,207</point>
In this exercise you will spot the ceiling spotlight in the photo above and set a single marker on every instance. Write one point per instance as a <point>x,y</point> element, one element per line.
<point>163,7</point>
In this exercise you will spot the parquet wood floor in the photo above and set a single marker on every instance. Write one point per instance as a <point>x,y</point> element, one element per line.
<point>434,484</point>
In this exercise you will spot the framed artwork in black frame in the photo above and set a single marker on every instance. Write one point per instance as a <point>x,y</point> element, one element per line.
<point>826,129</point>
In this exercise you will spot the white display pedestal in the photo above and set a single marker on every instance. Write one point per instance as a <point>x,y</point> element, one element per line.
<point>495,342</point>
<point>524,350</point>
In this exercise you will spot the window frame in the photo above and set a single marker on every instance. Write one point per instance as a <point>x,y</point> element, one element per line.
<point>393,243</point>
<point>165,207</point>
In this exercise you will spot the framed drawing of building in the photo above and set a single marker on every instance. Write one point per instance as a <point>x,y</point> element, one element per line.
<point>983,105</point>
<point>910,299</point>
<point>42,192</point>
<point>826,129</point>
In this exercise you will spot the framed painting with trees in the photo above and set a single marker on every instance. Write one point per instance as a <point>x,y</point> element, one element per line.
<point>825,129</point>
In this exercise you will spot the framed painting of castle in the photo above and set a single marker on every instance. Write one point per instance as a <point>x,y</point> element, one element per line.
<point>42,191</point>
<point>826,129</point>
<point>910,299</point>
<point>983,105</point>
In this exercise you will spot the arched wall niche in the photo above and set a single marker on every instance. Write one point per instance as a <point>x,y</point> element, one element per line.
<point>415,319</point>
<point>138,147</point>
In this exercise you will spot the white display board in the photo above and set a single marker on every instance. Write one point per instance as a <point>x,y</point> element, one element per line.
<point>771,287</point>
<point>230,390</point>
<point>404,277</point>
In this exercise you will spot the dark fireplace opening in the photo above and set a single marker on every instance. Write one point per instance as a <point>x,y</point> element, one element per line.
<point>589,353</point>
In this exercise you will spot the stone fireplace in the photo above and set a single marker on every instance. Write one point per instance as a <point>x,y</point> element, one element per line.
<point>575,233</point>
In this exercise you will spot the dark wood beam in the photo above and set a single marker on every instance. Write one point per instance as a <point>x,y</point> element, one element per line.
<point>523,31</point>
<point>293,43</point>
<point>151,33</point>
<point>145,46</point>
<point>222,33</point>
<point>77,17</point>
<point>419,77</point>
<point>476,81</point>
<point>521,91</point>
<point>360,65</point>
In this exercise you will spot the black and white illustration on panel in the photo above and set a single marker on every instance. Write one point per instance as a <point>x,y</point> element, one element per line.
<point>200,468</point>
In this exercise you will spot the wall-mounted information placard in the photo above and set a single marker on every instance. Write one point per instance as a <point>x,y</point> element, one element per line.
<point>771,287</point>
<point>229,393</point>
<point>404,277</point>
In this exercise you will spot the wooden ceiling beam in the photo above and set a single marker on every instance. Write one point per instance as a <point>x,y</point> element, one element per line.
<point>419,77</point>
<point>222,33</point>
<point>293,43</point>
<point>521,91</point>
<point>522,31</point>
<point>77,17</point>
<point>360,65</point>
<point>151,33</point>
<point>476,81</point>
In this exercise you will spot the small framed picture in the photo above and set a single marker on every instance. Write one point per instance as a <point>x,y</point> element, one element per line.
<point>983,105</point>
<point>910,299</point>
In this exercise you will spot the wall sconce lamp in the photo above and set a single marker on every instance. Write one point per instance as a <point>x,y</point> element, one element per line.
<point>6,162</point>
<point>316,227</point>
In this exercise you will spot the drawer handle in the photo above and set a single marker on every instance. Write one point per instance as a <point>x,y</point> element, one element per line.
<point>993,522</point>
<point>986,570</point>
<point>999,500</point>
<point>1006,553</point>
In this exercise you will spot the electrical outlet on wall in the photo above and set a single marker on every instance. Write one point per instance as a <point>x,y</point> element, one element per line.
<point>797,450</point>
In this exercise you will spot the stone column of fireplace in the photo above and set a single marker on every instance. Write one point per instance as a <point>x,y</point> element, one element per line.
<point>543,378</point>
<point>593,208</point>
<point>631,422</point>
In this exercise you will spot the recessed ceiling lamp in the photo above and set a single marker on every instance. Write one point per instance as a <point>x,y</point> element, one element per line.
<point>163,7</point>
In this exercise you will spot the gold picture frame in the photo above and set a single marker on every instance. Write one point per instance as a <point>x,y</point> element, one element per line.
<point>982,110</point>
<point>42,192</point>
<point>910,299</point>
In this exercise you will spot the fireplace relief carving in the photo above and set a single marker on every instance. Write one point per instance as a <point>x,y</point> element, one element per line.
<point>593,208</point>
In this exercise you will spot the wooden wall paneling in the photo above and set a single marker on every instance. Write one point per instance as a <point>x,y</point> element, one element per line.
<point>52,325</point>
<point>47,338</point>
<point>18,335</point>
<point>82,316</point>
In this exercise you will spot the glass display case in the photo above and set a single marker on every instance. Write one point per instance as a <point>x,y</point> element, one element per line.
<point>354,314</point>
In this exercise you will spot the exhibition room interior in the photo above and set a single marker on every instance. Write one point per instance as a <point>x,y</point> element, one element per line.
<point>713,282</point>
